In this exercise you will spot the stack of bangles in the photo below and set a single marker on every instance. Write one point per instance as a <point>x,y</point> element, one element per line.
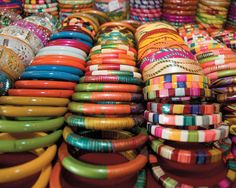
<point>184,131</point>
<point>179,12</point>
<point>231,19</point>
<point>107,100</point>
<point>11,5</point>
<point>217,62</point>
<point>212,14</point>
<point>7,17</point>
<point>41,6</point>
<point>145,10</point>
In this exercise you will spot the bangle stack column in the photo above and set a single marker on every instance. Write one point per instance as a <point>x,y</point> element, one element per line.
<point>187,133</point>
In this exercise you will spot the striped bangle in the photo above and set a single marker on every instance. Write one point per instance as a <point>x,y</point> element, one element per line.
<point>107,96</point>
<point>183,120</point>
<point>113,72</point>
<point>200,156</point>
<point>177,92</point>
<point>199,109</point>
<point>188,136</point>
<point>112,67</point>
<point>224,82</point>
<point>104,123</point>
<point>105,141</point>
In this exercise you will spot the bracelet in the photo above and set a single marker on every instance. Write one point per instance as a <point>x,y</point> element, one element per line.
<point>11,126</point>
<point>112,67</point>
<point>29,168</point>
<point>96,87</point>
<point>5,83</point>
<point>103,123</point>
<point>106,109</point>
<point>111,61</point>
<point>101,16</point>
<point>226,98</point>
<point>98,171</point>
<point>109,141</point>
<point>112,72</point>
<point>225,73</point>
<point>177,92</point>
<point>107,96</point>
<point>114,53</point>
<point>20,145</point>
<point>188,135</point>
<point>41,93</point>
<point>44,84</point>
<point>114,46</point>
<point>225,90</point>
<point>111,79</point>
<point>199,109</point>
<point>203,156</point>
<point>224,82</point>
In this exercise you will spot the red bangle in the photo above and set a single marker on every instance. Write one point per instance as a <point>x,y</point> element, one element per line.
<point>111,61</point>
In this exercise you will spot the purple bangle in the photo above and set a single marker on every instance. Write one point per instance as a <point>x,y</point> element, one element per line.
<point>233,138</point>
<point>176,20</point>
<point>171,16</point>
<point>33,28</point>
<point>234,150</point>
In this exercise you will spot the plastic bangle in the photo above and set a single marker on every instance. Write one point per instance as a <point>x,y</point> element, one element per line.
<point>101,172</point>
<point>107,88</point>
<point>225,90</point>
<point>44,84</point>
<point>107,123</point>
<point>111,61</point>
<point>112,72</point>
<point>117,24</point>
<point>107,109</point>
<point>188,136</point>
<point>225,73</point>
<point>203,156</point>
<point>111,55</point>
<point>41,93</point>
<point>199,109</point>
<point>226,98</point>
<point>112,67</point>
<point>11,126</point>
<point>226,81</point>
<point>43,179</point>
<point>114,46</point>
<point>29,168</point>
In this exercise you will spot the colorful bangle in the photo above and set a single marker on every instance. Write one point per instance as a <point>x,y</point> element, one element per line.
<point>199,109</point>
<point>112,72</point>
<point>107,88</point>
<point>107,123</point>
<point>111,61</point>
<point>41,93</point>
<point>11,126</point>
<point>109,141</point>
<point>203,156</point>
<point>101,172</point>
<point>225,73</point>
<point>223,82</point>
<point>44,84</point>
<point>188,136</point>
<point>112,67</point>
<point>226,98</point>
<point>107,96</point>
<point>225,90</point>
<point>114,46</point>
<point>106,109</point>
<point>29,168</point>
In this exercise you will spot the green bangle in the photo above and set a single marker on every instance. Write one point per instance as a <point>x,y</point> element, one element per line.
<point>10,126</point>
<point>28,144</point>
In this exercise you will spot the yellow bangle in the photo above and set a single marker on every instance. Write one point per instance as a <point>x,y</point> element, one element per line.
<point>43,179</point>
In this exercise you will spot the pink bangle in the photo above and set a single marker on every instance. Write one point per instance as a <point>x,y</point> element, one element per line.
<point>216,68</point>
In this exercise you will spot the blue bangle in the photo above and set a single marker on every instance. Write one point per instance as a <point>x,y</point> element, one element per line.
<point>72,34</point>
<point>50,75</point>
<point>5,83</point>
<point>59,68</point>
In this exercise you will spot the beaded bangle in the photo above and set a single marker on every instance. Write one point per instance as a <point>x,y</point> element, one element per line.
<point>111,79</point>
<point>183,120</point>
<point>199,109</point>
<point>34,111</point>
<point>11,126</point>
<point>177,92</point>
<point>107,96</point>
<point>188,136</point>
<point>107,109</point>
<point>112,67</point>
<point>96,87</point>
<point>103,123</point>
<point>214,154</point>
<point>112,72</point>
<point>20,145</point>
<point>29,168</point>
<point>101,172</point>
<point>109,141</point>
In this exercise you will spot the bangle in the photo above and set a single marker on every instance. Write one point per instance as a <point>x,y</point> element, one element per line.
<point>106,47</point>
<point>101,16</point>
<point>188,135</point>
<point>112,72</point>
<point>11,126</point>
<point>226,98</point>
<point>112,67</point>
<point>57,171</point>
<point>29,168</point>
<point>109,141</point>
<point>103,123</point>
<point>41,93</point>
<point>203,156</point>
<point>183,120</point>
<point>177,92</point>
<point>226,81</point>
<point>106,109</point>
<point>49,75</point>
<point>5,82</point>
<point>98,171</point>
<point>112,55</point>
<point>111,79</point>
<point>20,145</point>
<point>225,90</point>
<point>107,96</point>
<point>44,84</point>
<point>57,68</point>
<point>96,87</point>
<point>199,109</point>
<point>111,61</point>
<point>225,73</point>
